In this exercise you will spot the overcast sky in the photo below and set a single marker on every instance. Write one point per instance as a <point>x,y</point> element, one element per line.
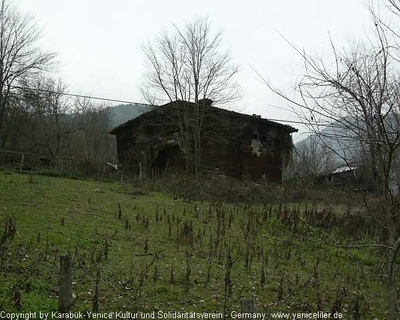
<point>99,42</point>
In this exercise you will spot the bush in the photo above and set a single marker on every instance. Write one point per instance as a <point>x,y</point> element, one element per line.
<point>214,189</point>
<point>225,189</point>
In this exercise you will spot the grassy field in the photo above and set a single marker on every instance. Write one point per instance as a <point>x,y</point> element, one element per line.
<point>140,251</point>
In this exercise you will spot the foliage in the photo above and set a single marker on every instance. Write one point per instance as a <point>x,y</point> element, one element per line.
<point>47,122</point>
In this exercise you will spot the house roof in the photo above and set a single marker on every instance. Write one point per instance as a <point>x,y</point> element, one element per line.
<point>210,109</point>
<point>344,169</point>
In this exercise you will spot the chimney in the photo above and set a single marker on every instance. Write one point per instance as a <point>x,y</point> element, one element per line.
<point>206,102</point>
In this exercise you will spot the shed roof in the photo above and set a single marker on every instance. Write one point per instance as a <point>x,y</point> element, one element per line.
<point>344,169</point>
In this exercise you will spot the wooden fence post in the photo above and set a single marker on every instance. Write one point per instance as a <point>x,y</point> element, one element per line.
<point>249,306</point>
<point>65,293</point>
<point>22,163</point>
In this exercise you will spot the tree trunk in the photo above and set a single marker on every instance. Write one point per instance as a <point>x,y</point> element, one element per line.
<point>392,288</point>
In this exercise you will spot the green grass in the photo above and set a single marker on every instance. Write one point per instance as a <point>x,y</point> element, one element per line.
<point>135,251</point>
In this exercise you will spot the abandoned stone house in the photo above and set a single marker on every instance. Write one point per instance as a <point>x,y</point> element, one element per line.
<point>229,143</point>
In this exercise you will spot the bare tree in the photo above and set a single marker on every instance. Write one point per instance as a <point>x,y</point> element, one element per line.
<point>394,6</point>
<point>312,159</point>
<point>358,94</point>
<point>189,66</point>
<point>53,112</point>
<point>20,56</point>
<point>93,123</point>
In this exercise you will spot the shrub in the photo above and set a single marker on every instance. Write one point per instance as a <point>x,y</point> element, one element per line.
<point>226,189</point>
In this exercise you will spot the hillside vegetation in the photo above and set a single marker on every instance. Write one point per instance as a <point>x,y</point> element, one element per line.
<point>149,251</point>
